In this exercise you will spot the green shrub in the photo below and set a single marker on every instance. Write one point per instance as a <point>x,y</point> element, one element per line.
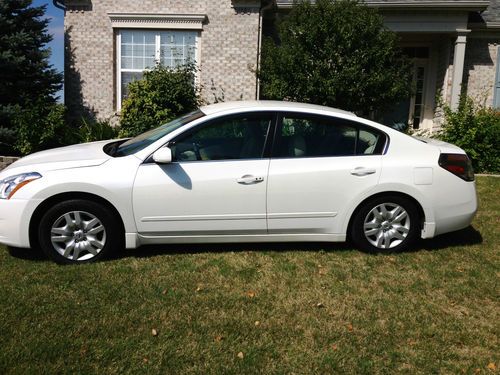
<point>163,94</point>
<point>41,126</point>
<point>476,129</point>
<point>7,141</point>
<point>335,53</point>
<point>91,131</point>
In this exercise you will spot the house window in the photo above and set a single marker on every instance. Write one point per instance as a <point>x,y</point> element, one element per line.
<point>417,101</point>
<point>140,50</point>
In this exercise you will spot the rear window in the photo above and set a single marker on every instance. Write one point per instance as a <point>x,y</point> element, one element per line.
<point>303,135</point>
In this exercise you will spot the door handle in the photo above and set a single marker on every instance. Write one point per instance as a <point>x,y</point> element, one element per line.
<point>361,171</point>
<point>249,179</point>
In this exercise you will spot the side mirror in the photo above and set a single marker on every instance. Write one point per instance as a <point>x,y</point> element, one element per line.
<point>163,155</point>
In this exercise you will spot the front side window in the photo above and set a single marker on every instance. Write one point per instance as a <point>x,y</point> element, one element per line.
<point>318,136</point>
<point>230,138</point>
<point>143,49</point>
<point>143,140</point>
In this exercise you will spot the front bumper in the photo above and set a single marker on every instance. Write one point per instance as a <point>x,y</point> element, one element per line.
<point>15,215</point>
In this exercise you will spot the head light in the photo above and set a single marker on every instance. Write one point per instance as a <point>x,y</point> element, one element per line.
<point>9,185</point>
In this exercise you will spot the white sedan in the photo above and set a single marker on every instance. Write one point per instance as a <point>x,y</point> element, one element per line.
<point>239,172</point>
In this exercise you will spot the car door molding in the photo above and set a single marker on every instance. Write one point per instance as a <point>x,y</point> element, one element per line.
<point>150,219</point>
<point>301,215</point>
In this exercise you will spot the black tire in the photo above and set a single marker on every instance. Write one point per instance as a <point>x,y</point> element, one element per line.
<point>102,244</point>
<point>366,213</point>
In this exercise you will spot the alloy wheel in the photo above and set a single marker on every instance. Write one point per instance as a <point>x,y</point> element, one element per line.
<point>387,225</point>
<point>78,235</point>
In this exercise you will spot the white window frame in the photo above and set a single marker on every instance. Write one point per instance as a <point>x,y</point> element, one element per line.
<point>418,63</point>
<point>429,90</point>
<point>152,22</point>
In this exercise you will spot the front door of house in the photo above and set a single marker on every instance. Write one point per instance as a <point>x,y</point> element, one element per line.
<point>411,112</point>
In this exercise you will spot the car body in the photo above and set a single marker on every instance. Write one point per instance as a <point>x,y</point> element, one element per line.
<point>246,171</point>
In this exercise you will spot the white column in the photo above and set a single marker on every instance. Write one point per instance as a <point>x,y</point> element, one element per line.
<point>458,67</point>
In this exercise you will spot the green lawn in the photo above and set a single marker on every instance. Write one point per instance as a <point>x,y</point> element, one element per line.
<point>287,308</point>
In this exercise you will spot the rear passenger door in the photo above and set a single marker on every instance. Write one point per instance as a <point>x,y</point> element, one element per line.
<point>318,165</point>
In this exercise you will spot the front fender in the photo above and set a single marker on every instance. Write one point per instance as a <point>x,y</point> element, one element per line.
<point>115,185</point>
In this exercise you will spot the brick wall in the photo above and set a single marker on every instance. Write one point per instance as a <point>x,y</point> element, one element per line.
<point>444,71</point>
<point>229,42</point>
<point>480,69</point>
<point>5,161</point>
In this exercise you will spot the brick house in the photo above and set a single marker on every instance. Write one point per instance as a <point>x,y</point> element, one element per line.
<point>454,45</point>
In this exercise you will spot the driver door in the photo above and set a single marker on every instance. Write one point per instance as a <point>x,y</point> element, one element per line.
<point>216,184</point>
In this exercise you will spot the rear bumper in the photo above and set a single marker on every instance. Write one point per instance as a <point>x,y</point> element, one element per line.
<point>457,222</point>
<point>15,217</point>
<point>455,217</point>
<point>451,207</point>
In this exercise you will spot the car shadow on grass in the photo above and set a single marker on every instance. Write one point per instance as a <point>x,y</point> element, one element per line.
<point>172,249</point>
<point>27,254</point>
<point>465,237</point>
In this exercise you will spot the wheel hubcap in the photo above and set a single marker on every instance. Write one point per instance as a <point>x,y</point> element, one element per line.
<point>387,225</point>
<point>78,235</point>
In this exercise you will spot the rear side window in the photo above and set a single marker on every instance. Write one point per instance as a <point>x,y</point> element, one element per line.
<point>319,136</point>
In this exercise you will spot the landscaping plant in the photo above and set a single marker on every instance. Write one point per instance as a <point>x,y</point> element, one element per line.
<point>40,127</point>
<point>90,131</point>
<point>476,129</point>
<point>160,96</point>
<point>335,53</point>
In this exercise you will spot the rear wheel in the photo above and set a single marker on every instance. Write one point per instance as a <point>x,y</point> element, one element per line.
<point>78,231</point>
<point>386,224</point>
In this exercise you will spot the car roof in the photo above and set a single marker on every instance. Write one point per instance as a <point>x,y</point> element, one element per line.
<point>269,105</point>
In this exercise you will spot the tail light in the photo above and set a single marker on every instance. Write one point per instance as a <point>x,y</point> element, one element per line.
<point>458,164</point>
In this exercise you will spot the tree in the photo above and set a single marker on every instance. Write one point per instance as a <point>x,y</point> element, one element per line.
<point>161,95</point>
<point>26,76</point>
<point>335,53</point>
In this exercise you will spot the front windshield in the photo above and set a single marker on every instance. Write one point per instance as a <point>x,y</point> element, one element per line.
<point>143,140</point>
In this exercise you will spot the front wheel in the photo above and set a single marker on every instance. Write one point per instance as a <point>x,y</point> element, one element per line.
<point>78,231</point>
<point>386,224</point>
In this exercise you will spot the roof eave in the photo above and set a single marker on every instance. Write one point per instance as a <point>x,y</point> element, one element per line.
<point>472,5</point>
<point>59,4</point>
